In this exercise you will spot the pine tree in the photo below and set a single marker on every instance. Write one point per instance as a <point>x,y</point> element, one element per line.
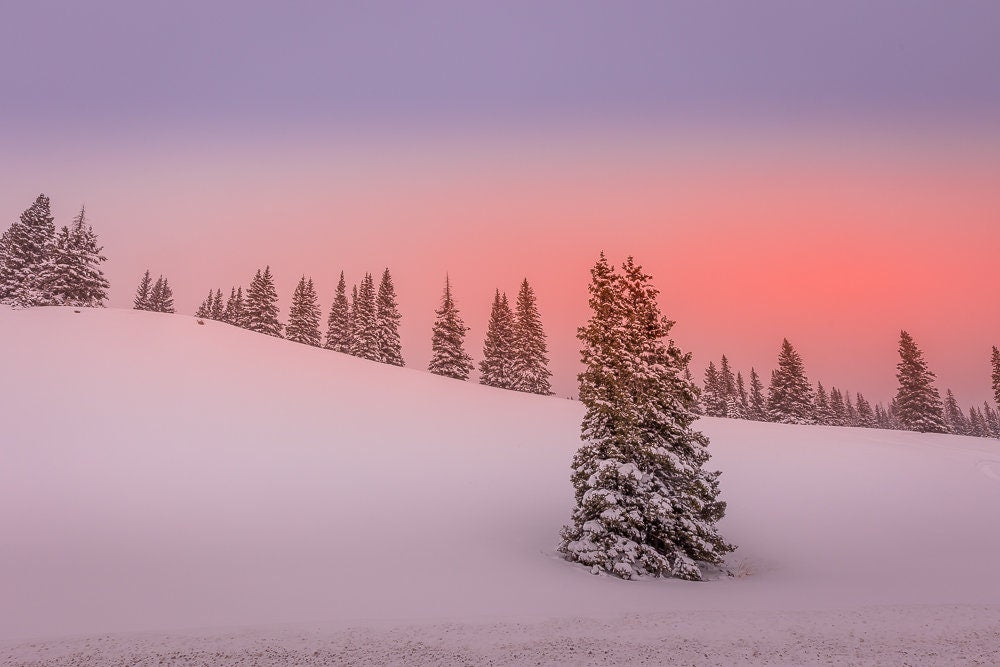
<point>992,420</point>
<point>205,309</point>
<point>838,412</point>
<point>995,360</point>
<point>917,401</point>
<point>25,256</point>
<point>758,405</point>
<point>161,297</point>
<point>218,309</point>
<point>977,425</point>
<point>789,398</point>
<point>142,294</point>
<point>72,276</point>
<point>743,401</point>
<point>727,387</point>
<point>387,319</point>
<point>881,417</point>
<point>234,313</point>
<point>447,342</point>
<point>496,368</point>
<point>531,361</point>
<point>866,416</point>
<point>260,307</point>
<point>303,316</point>
<point>953,415</point>
<point>364,333</point>
<point>851,417</point>
<point>644,504</point>
<point>713,397</point>
<point>338,324</point>
<point>821,406</point>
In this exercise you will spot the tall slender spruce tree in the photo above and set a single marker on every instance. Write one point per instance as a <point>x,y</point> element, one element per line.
<point>448,356</point>
<point>758,404</point>
<point>161,297</point>
<point>303,315</point>
<point>364,327</point>
<point>918,402</point>
<point>954,416</point>
<point>387,319</point>
<point>645,506</point>
<point>338,323</point>
<point>531,361</point>
<point>496,368</point>
<point>142,293</point>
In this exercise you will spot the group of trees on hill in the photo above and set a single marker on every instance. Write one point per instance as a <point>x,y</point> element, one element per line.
<point>366,325</point>
<point>40,266</point>
<point>791,399</point>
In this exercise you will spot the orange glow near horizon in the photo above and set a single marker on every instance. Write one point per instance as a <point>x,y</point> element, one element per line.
<point>834,240</point>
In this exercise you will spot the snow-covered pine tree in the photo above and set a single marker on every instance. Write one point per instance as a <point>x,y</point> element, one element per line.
<point>338,324</point>
<point>727,384</point>
<point>918,402</point>
<point>303,316</point>
<point>838,413</point>
<point>387,319</point>
<point>696,406</point>
<point>234,313</point>
<point>953,415</point>
<point>866,416</point>
<point>712,397</point>
<point>789,397</point>
<point>645,506</point>
<point>531,355</point>
<point>496,369</point>
<point>977,426</point>
<point>448,356</point>
<point>205,308</point>
<point>821,406</point>
<point>758,404</point>
<point>851,417</point>
<point>26,256</point>
<point>353,318</point>
<point>156,296</point>
<point>881,417</point>
<point>741,394</point>
<point>260,307</point>
<point>166,300</point>
<point>218,307</point>
<point>73,276</point>
<point>992,419</point>
<point>995,362</point>
<point>364,332</point>
<point>142,293</point>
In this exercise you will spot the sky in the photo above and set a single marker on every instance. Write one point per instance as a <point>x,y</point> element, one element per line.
<point>824,172</point>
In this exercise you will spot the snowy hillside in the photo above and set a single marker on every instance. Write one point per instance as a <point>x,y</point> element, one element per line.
<point>157,474</point>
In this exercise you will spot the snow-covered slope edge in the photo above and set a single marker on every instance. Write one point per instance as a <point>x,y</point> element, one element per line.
<point>160,474</point>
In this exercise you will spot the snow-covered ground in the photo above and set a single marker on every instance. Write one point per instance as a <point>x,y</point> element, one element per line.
<point>184,492</point>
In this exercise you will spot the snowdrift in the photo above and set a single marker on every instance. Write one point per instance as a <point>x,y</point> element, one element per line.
<point>156,473</point>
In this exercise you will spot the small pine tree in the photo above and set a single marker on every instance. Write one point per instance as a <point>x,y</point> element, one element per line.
<point>954,416</point>
<point>218,308</point>
<point>447,342</point>
<point>303,316</point>
<point>741,394</point>
<point>234,313</point>
<point>338,324</point>
<point>727,387</point>
<point>72,275</point>
<point>260,307</point>
<point>205,309</point>
<point>918,403</point>
<point>866,416</point>
<point>143,293</point>
<point>992,420</point>
<point>977,425</point>
<point>837,410</point>
<point>387,319</point>
<point>161,297</point>
<point>821,406</point>
<point>789,398</point>
<point>496,368</point>
<point>851,417</point>
<point>881,417</point>
<point>645,506</point>
<point>531,361</point>
<point>758,405</point>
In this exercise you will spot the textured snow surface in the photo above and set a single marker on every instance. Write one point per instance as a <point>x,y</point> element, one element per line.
<point>159,475</point>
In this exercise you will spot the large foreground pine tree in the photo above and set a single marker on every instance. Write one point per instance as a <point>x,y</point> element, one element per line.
<point>645,506</point>
<point>918,402</point>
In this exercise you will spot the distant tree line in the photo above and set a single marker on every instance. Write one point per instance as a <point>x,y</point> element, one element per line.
<point>366,325</point>
<point>791,399</point>
<point>40,266</point>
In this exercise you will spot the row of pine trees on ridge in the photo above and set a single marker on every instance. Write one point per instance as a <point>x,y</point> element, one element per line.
<point>791,399</point>
<point>40,266</point>
<point>366,324</point>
